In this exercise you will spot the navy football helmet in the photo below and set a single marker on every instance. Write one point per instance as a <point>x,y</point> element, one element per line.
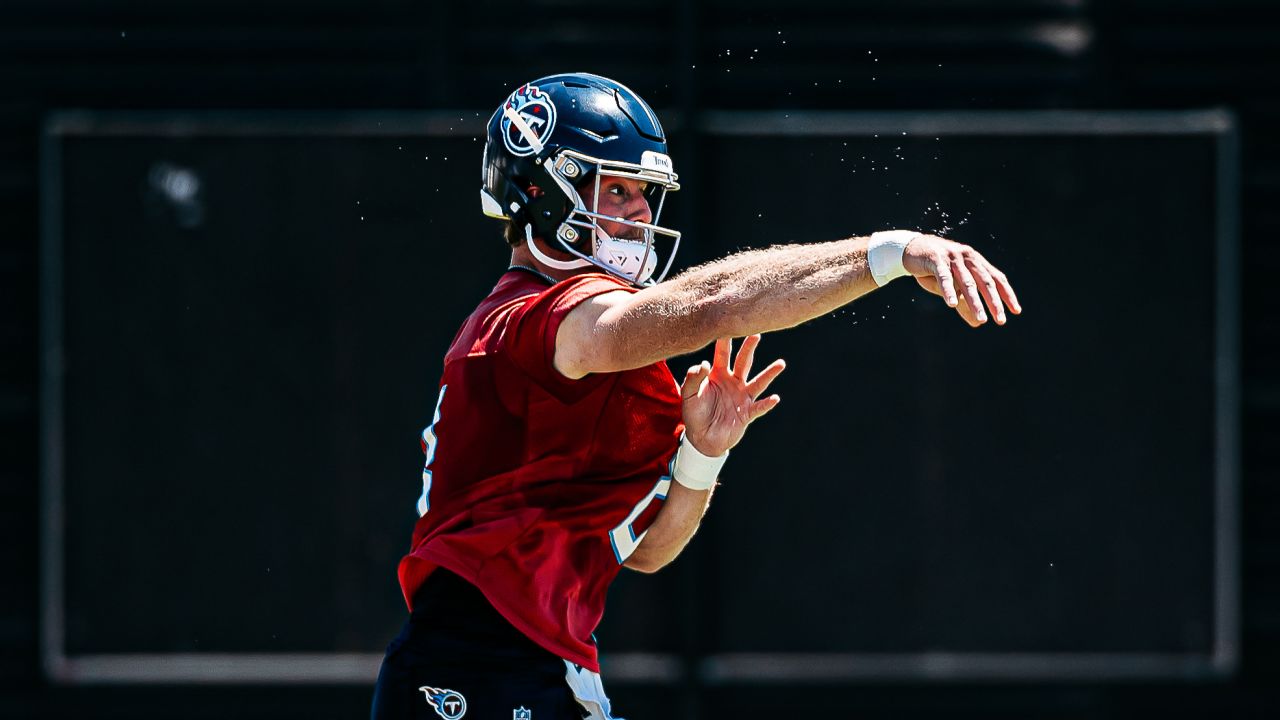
<point>558,132</point>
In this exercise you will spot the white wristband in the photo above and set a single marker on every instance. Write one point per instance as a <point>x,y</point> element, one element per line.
<point>694,470</point>
<point>884,254</point>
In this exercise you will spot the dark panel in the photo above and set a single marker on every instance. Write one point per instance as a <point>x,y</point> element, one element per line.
<point>254,333</point>
<point>337,53</point>
<point>1043,487</point>
<point>254,329</point>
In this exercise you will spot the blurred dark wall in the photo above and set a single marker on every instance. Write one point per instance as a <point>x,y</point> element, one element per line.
<point>917,54</point>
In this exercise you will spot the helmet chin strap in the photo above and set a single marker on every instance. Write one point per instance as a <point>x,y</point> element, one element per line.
<point>549,261</point>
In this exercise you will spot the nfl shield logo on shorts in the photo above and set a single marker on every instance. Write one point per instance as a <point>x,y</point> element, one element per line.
<point>448,704</point>
<point>521,714</point>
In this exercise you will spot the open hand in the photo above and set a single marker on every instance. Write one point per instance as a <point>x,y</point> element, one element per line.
<point>720,402</point>
<point>944,267</point>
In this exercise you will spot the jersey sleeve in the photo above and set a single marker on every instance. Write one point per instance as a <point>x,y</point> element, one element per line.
<point>530,338</point>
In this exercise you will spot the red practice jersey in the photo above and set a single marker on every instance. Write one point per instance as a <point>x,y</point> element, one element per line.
<point>537,487</point>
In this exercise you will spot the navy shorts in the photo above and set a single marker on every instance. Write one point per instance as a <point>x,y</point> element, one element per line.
<point>457,658</point>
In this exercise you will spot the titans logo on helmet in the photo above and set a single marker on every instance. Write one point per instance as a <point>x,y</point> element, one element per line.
<point>536,113</point>
<point>448,704</point>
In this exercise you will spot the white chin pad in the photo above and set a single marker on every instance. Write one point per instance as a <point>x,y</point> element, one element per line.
<point>626,256</point>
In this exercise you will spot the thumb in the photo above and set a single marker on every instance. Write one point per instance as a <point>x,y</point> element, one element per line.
<point>929,283</point>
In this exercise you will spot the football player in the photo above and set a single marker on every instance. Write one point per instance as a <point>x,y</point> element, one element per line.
<point>561,447</point>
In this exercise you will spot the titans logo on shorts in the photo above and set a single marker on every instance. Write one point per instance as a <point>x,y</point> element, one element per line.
<point>448,704</point>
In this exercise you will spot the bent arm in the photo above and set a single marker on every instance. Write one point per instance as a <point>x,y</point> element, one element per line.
<point>750,292</point>
<point>674,525</point>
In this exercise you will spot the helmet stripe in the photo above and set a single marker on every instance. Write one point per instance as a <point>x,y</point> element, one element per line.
<point>530,136</point>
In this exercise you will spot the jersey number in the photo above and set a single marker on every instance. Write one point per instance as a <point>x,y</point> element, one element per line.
<point>624,538</point>
<point>429,447</point>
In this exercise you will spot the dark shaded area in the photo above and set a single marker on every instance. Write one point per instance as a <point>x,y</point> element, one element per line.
<point>243,390</point>
<point>1042,488</point>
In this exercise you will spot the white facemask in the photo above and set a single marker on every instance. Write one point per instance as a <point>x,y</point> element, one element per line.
<point>623,256</point>
<point>632,258</point>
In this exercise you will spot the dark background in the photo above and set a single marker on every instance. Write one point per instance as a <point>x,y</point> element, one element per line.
<point>326,56</point>
<point>253,327</point>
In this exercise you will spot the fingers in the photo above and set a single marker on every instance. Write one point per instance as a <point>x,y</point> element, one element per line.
<point>694,379</point>
<point>720,358</point>
<point>946,284</point>
<point>760,407</point>
<point>969,288</point>
<point>962,276</point>
<point>746,356</point>
<point>1006,291</point>
<point>986,285</point>
<point>968,315</point>
<point>930,283</point>
<point>761,382</point>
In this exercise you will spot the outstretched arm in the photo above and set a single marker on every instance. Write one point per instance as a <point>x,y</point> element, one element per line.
<point>760,291</point>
